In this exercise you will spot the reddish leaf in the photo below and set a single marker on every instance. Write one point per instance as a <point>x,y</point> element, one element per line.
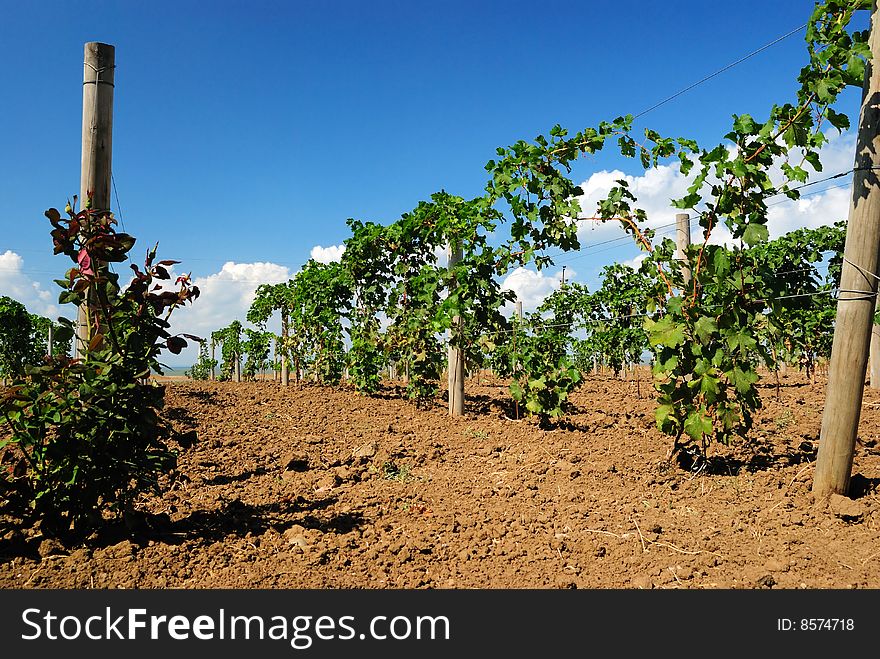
<point>85,263</point>
<point>176,344</point>
<point>95,342</point>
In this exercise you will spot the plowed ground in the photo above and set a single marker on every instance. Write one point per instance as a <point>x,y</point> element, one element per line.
<point>318,487</point>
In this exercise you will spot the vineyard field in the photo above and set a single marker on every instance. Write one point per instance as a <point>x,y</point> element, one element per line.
<point>320,487</point>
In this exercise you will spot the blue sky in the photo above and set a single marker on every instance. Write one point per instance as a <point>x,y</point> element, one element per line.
<point>247,132</point>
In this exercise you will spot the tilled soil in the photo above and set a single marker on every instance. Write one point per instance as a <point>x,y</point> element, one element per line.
<point>318,487</point>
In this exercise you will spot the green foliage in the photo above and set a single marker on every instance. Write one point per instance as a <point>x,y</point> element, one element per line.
<point>257,346</point>
<point>19,346</point>
<point>801,305</point>
<point>543,376</point>
<point>321,300</point>
<point>367,262</point>
<point>87,432</point>
<point>366,356</point>
<point>706,331</point>
<point>232,348</point>
<point>268,299</point>
<point>614,317</point>
<point>534,354</point>
<point>203,368</point>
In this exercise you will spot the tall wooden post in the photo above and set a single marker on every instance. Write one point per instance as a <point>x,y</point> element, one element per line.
<point>682,242</point>
<point>237,367</point>
<point>97,149</point>
<point>213,373</point>
<point>519,310</point>
<point>455,357</point>
<point>875,357</point>
<point>874,353</point>
<point>855,308</point>
<point>285,362</point>
<point>51,341</point>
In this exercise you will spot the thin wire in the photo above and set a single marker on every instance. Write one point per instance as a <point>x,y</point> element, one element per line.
<point>592,321</point>
<point>770,194</point>
<point>861,269</point>
<point>719,71</point>
<point>809,194</point>
<point>119,208</point>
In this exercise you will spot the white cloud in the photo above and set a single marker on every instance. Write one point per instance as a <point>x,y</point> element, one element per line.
<point>224,296</point>
<point>532,287</point>
<point>15,283</point>
<point>824,203</point>
<point>635,262</point>
<point>332,254</point>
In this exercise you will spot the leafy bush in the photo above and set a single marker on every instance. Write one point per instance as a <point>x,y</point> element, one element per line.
<point>87,436</point>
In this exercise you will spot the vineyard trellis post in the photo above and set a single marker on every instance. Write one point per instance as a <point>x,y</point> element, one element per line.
<point>874,352</point>
<point>682,242</point>
<point>213,362</point>
<point>285,361</point>
<point>875,357</point>
<point>99,66</point>
<point>857,291</point>
<point>51,340</point>
<point>455,355</point>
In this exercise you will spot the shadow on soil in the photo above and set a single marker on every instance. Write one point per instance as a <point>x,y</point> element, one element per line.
<point>860,486</point>
<point>762,456</point>
<point>234,519</point>
<point>203,396</point>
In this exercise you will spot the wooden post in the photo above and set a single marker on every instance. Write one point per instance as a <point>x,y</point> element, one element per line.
<point>213,374</point>
<point>285,363</point>
<point>682,242</point>
<point>455,355</point>
<point>519,310</point>
<point>97,149</point>
<point>874,352</point>
<point>858,284</point>
<point>875,357</point>
<point>237,367</point>
<point>51,341</point>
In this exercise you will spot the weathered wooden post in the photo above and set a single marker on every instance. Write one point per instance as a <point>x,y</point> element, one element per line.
<point>213,361</point>
<point>285,362</point>
<point>455,355</point>
<point>875,357</point>
<point>99,67</point>
<point>682,242</point>
<point>51,341</point>
<point>874,353</point>
<point>858,286</point>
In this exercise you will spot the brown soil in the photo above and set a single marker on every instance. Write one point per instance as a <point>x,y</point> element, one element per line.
<point>324,488</point>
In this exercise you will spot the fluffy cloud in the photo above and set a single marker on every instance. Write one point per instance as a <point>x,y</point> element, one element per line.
<point>821,204</point>
<point>532,287</point>
<point>332,254</point>
<point>225,296</point>
<point>15,283</point>
<point>635,262</point>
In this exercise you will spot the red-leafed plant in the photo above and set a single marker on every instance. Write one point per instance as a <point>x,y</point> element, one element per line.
<point>86,434</point>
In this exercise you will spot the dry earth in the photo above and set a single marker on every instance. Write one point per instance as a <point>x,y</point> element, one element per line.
<point>323,488</point>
